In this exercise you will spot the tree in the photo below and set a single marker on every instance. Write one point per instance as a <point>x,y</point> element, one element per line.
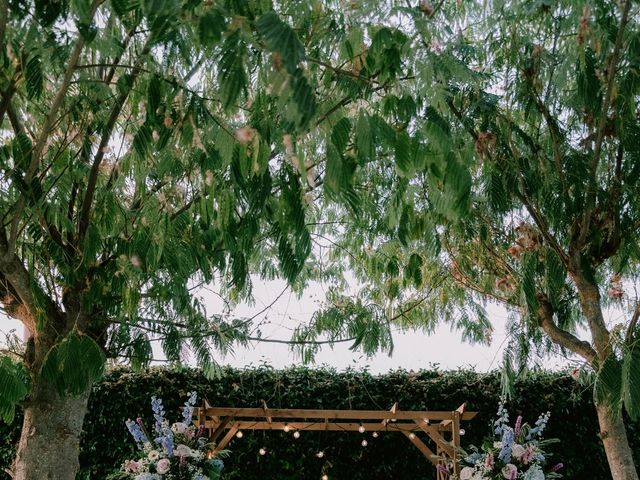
<point>506,170</point>
<point>146,150</point>
<point>150,147</point>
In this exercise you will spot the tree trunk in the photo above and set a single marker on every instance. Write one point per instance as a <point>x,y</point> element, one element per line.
<point>50,441</point>
<point>616,445</point>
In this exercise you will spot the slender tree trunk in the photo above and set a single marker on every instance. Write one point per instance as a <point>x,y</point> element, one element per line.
<point>50,441</point>
<point>616,444</point>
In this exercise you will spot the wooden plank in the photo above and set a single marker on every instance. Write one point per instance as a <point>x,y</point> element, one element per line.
<point>318,426</point>
<point>226,439</point>
<point>332,414</point>
<point>221,426</point>
<point>434,434</point>
<point>456,440</point>
<point>426,451</point>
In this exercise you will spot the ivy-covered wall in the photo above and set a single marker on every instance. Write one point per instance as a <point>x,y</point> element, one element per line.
<point>124,395</point>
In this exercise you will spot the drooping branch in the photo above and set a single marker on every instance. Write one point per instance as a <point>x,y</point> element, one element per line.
<point>87,202</point>
<point>47,127</point>
<point>612,67</point>
<point>559,336</point>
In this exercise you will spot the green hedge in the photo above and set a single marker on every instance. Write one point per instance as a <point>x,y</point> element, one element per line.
<point>125,395</point>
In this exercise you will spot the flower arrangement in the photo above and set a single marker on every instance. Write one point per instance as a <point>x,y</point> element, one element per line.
<point>513,453</point>
<point>176,451</point>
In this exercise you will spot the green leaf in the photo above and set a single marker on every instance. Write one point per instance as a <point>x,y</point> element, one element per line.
<point>14,386</point>
<point>33,76</point>
<point>631,381</point>
<point>608,384</point>
<point>403,153</point>
<point>233,77</point>
<point>211,26</point>
<point>340,133</point>
<point>73,364</point>
<point>280,38</point>
<point>303,98</point>
<point>333,172</point>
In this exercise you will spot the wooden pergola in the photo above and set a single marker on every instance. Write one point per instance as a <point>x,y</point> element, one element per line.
<point>441,429</point>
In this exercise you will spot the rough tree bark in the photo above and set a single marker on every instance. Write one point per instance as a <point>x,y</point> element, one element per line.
<point>616,445</point>
<point>50,439</point>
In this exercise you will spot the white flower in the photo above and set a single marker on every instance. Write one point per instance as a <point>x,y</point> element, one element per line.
<point>497,444</point>
<point>466,473</point>
<point>154,455</point>
<point>517,450</point>
<point>182,451</point>
<point>179,428</point>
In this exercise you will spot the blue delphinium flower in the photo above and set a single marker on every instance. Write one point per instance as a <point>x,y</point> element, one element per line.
<point>136,432</point>
<point>541,424</point>
<point>502,420</point>
<point>507,442</point>
<point>187,410</point>
<point>158,414</point>
<point>166,441</point>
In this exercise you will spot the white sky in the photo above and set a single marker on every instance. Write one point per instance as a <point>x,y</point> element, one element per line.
<point>413,350</point>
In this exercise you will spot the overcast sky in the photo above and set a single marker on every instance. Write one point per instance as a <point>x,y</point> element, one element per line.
<point>413,350</point>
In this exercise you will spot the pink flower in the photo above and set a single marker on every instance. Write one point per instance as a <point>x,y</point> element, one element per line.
<point>510,471</point>
<point>163,466</point>
<point>132,466</point>
<point>528,455</point>
<point>245,134</point>
<point>489,462</point>
<point>466,473</point>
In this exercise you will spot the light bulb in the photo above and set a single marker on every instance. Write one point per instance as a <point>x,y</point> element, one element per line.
<point>239,434</point>
<point>375,434</point>
<point>364,443</point>
<point>462,432</point>
<point>262,451</point>
<point>426,420</point>
<point>320,454</point>
<point>296,434</point>
<point>325,477</point>
<point>412,435</point>
<point>286,428</point>
<point>361,429</point>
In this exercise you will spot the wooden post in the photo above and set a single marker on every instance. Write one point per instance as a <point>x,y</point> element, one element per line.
<point>455,439</point>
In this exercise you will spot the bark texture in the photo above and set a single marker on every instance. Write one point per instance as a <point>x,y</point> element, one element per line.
<point>50,439</point>
<point>616,445</point>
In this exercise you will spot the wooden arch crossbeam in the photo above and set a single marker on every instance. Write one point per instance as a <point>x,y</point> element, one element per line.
<point>440,429</point>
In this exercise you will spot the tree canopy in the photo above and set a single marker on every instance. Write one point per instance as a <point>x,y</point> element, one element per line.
<point>450,153</point>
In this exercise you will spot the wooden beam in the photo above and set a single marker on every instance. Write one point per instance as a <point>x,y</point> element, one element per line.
<point>221,426</point>
<point>333,414</point>
<point>456,440</point>
<point>227,438</point>
<point>426,451</point>
<point>435,435</point>
<point>318,426</point>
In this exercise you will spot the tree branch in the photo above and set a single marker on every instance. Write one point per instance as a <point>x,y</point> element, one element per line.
<point>87,202</point>
<point>597,149</point>
<point>559,336</point>
<point>47,127</point>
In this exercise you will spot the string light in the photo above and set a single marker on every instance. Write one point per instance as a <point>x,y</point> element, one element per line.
<point>462,432</point>
<point>325,477</point>
<point>412,435</point>
<point>364,443</point>
<point>286,428</point>
<point>239,434</point>
<point>361,428</point>
<point>426,420</point>
<point>375,434</point>
<point>296,434</point>
<point>320,454</point>
<point>262,451</point>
